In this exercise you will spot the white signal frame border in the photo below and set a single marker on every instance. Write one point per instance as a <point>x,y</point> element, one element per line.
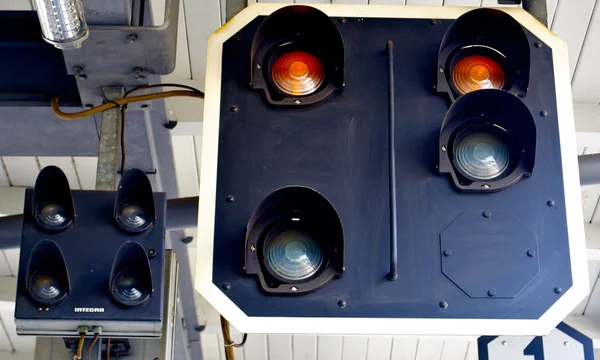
<point>382,326</point>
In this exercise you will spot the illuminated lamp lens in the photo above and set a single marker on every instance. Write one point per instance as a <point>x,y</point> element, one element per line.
<point>298,73</point>
<point>475,72</point>
<point>294,255</point>
<point>482,155</point>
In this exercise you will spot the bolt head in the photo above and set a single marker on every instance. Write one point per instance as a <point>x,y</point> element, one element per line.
<point>443,304</point>
<point>550,203</point>
<point>531,253</point>
<point>342,304</point>
<point>566,343</point>
<point>230,199</point>
<point>543,113</point>
<point>448,252</point>
<point>131,38</point>
<point>487,214</point>
<point>558,290</point>
<point>293,288</point>
<point>504,343</point>
<point>491,292</point>
<point>252,248</point>
<point>227,286</point>
<point>538,44</point>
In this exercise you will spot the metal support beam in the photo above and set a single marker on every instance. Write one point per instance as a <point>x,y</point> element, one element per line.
<point>183,213</point>
<point>108,152</point>
<point>538,9</point>
<point>589,169</point>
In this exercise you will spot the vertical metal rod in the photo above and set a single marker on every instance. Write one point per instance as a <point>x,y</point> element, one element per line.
<point>393,275</point>
<point>108,150</point>
<point>152,146</point>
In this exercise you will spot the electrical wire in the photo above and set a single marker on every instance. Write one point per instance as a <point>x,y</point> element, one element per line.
<point>123,157</point>
<point>79,353</point>
<point>107,348</point>
<point>146,87</point>
<point>123,111</point>
<point>123,101</point>
<point>91,345</point>
<point>122,104</point>
<point>228,342</point>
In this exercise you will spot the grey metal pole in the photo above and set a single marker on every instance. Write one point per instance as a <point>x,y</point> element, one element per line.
<point>108,151</point>
<point>183,213</point>
<point>589,169</point>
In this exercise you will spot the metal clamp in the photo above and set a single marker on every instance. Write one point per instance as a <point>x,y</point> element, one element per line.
<point>121,49</point>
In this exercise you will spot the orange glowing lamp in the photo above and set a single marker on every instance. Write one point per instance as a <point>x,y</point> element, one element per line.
<point>298,73</point>
<point>476,72</point>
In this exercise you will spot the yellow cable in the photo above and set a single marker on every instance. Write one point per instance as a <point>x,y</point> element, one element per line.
<point>128,100</point>
<point>80,348</point>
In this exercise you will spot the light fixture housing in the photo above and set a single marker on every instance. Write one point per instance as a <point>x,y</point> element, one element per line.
<point>511,133</point>
<point>498,42</point>
<point>306,37</point>
<point>63,23</point>
<point>134,209</point>
<point>47,277</point>
<point>104,261</point>
<point>294,242</point>
<point>52,203</point>
<point>131,275</point>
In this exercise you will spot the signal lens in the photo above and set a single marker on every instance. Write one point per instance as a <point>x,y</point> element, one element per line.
<point>476,72</point>
<point>298,73</point>
<point>482,155</point>
<point>53,215</point>
<point>46,287</point>
<point>130,290</point>
<point>294,255</point>
<point>134,218</point>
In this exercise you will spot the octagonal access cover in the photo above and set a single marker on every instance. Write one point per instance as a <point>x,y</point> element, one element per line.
<point>489,254</point>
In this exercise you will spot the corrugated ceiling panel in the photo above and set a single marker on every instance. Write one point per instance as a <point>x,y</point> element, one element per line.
<point>586,80</point>
<point>570,24</point>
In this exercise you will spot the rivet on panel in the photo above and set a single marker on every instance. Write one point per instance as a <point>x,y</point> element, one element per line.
<point>443,304</point>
